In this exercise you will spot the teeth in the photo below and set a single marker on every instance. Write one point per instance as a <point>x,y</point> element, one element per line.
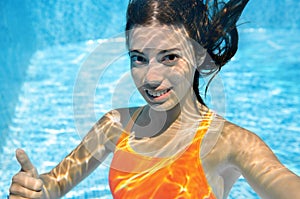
<point>156,93</point>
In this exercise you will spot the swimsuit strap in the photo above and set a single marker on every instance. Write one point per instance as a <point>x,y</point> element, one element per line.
<point>133,119</point>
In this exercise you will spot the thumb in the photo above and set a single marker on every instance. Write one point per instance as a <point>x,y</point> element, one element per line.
<point>25,163</point>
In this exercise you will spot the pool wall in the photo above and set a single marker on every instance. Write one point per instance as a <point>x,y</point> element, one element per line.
<point>17,43</point>
<point>29,25</point>
<point>272,14</point>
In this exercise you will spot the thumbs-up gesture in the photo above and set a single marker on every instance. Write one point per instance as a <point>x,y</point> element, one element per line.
<point>26,183</point>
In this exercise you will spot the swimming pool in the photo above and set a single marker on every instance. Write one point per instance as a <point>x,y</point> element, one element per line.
<point>261,87</point>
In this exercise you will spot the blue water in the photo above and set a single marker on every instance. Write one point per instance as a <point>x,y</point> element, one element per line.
<point>261,87</point>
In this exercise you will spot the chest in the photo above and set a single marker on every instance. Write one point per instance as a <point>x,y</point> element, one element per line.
<point>173,141</point>
<point>172,176</point>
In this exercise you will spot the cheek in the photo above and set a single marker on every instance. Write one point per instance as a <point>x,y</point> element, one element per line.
<point>137,76</point>
<point>182,76</point>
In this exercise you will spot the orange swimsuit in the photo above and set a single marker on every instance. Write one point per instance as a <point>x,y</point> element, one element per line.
<point>134,176</point>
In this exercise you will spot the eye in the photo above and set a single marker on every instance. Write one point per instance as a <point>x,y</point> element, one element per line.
<point>170,59</point>
<point>138,60</point>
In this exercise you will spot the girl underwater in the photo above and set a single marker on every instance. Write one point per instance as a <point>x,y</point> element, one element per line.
<point>174,146</point>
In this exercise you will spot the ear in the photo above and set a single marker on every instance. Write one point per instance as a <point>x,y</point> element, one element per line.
<point>200,55</point>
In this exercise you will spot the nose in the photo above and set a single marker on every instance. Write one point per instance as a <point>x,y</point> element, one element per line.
<point>152,85</point>
<point>154,75</point>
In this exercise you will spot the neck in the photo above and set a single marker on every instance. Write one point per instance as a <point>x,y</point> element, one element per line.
<point>162,119</point>
<point>191,108</point>
<point>153,123</point>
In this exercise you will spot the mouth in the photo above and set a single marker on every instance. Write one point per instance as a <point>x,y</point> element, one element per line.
<point>157,94</point>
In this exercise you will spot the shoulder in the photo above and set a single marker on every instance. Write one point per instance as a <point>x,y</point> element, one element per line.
<point>125,114</point>
<point>233,144</point>
<point>243,143</point>
<point>240,148</point>
<point>247,151</point>
<point>240,142</point>
<point>111,125</point>
<point>119,116</point>
<point>238,136</point>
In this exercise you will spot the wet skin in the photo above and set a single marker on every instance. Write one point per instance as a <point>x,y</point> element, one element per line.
<point>163,63</point>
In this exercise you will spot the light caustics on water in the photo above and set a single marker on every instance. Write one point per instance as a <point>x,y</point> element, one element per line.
<point>41,98</point>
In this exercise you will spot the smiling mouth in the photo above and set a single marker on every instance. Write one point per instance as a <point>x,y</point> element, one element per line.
<point>156,94</point>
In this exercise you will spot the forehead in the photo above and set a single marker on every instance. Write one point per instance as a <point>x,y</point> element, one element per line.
<point>158,37</point>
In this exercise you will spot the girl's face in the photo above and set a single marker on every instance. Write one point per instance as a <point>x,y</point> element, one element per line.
<point>162,64</point>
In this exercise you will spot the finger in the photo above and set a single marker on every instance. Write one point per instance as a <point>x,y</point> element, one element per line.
<point>28,182</point>
<point>24,160</point>
<point>25,163</point>
<point>18,190</point>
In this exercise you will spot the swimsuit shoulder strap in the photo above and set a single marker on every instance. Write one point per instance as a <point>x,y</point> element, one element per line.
<point>133,118</point>
<point>130,123</point>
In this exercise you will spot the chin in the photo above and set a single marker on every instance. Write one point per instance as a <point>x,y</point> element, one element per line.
<point>166,106</point>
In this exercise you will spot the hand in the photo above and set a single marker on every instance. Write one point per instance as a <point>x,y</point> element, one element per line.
<point>26,183</point>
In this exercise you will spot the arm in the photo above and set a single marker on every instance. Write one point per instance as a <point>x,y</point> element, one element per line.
<point>258,164</point>
<point>93,149</point>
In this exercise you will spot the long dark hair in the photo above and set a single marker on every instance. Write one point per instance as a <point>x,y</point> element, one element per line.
<point>211,23</point>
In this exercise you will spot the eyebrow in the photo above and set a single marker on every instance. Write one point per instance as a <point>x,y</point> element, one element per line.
<point>169,50</point>
<point>135,51</point>
<point>161,52</point>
